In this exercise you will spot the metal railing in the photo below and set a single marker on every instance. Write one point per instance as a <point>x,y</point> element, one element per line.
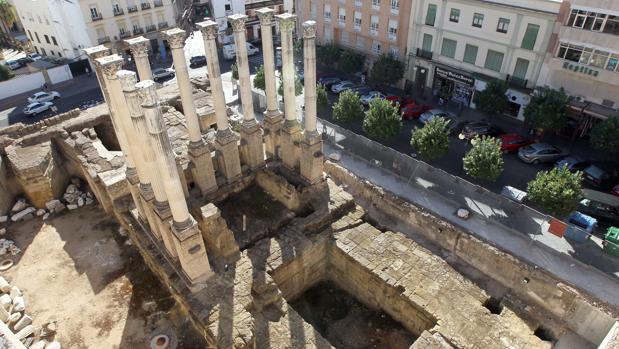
<point>158,3</point>
<point>96,17</point>
<point>518,82</point>
<point>424,54</point>
<point>145,5</point>
<point>163,25</point>
<point>118,12</point>
<point>137,31</point>
<point>124,34</point>
<point>151,28</point>
<point>132,8</point>
<point>103,40</point>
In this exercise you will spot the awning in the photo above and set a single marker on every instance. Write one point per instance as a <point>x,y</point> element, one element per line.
<point>592,109</point>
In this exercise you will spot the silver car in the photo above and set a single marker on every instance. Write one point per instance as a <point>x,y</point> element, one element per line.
<point>37,107</point>
<point>433,113</point>
<point>43,96</point>
<point>540,152</point>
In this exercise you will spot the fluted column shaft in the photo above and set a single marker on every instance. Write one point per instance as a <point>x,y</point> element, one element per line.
<point>266,21</point>
<point>309,71</point>
<point>139,49</point>
<point>209,33</point>
<point>286,25</point>
<point>238,27</point>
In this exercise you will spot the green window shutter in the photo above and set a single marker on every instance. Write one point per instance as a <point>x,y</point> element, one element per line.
<point>427,43</point>
<point>494,60</point>
<point>470,54</point>
<point>530,36</point>
<point>520,71</point>
<point>449,48</point>
<point>431,15</point>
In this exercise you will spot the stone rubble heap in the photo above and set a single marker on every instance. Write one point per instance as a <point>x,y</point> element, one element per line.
<point>13,314</point>
<point>74,197</point>
<point>8,246</point>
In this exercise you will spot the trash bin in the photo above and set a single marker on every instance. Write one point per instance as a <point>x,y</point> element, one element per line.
<point>611,241</point>
<point>579,227</point>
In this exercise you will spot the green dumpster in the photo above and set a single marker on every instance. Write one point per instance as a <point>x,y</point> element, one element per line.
<point>611,241</point>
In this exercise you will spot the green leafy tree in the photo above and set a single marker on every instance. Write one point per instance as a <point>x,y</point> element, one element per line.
<point>547,109</point>
<point>322,102</point>
<point>484,160</point>
<point>351,61</point>
<point>7,18</point>
<point>235,71</point>
<point>382,120</point>
<point>328,54</point>
<point>298,86</point>
<point>432,140</point>
<point>387,70</point>
<point>493,99</point>
<point>5,73</point>
<point>259,78</point>
<point>557,190</point>
<point>348,107</point>
<point>297,46</point>
<point>605,135</point>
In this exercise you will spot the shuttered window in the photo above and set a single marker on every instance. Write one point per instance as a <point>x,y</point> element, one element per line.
<point>470,54</point>
<point>520,71</point>
<point>431,15</point>
<point>530,36</point>
<point>427,42</point>
<point>449,48</point>
<point>494,60</point>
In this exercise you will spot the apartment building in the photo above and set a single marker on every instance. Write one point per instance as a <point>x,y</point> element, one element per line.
<point>584,60</point>
<point>63,28</point>
<point>371,27</point>
<point>456,46</point>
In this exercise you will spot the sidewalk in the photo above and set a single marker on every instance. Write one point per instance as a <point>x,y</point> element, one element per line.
<point>539,249</point>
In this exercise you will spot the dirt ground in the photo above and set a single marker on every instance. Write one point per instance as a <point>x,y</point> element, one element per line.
<point>77,270</point>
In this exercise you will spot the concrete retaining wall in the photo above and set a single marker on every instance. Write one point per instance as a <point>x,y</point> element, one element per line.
<point>21,84</point>
<point>59,74</point>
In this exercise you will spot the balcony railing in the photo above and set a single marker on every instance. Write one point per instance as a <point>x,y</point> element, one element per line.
<point>341,22</point>
<point>103,40</point>
<point>393,37</point>
<point>151,28</point>
<point>158,3</point>
<point>124,34</point>
<point>517,82</point>
<point>119,12</point>
<point>424,54</point>
<point>163,25</point>
<point>358,3</point>
<point>132,8</point>
<point>145,5</point>
<point>357,28</point>
<point>328,18</point>
<point>374,32</point>
<point>96,17</point>
<point>137,31</point>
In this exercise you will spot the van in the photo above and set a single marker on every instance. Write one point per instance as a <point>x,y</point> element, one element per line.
<point>229,51</point>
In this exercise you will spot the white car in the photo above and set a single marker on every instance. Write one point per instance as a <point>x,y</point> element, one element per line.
<point>433,113</point>
<point>34,56</point>
<point>163,73</point>
<point>37,107</point>
<point>341,86</point>
<point>43,96</point>
<point>368,97</point>
<point>229,51</point>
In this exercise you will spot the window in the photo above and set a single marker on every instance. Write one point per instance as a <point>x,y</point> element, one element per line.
<point>358,17</point>
<point>341,16</point>
<point>612,25</point>
<point>116,8</point>
<point>427,43</point>
<point>431,14</point>
<point>36,49</point>
<point>328,34</point>
<point>376,47</point>
<point>59,54</point>
<point>344,37</point>
<point>358,3</point>
<point>454,15</point>
<point>478,20</point>
<point>393,30</point>
<point>54,40</point>
<point>39,19</point>
<point>503,25</point>
<point>360,42</point>
<point>94,13</point>
<point>228,7</point>
<point>46,20</point>
<point>470,54</point>
<point>494,60</point>
<point>43,52</point>
<point>46,38</point>
<point>520,70</point>
<point>37,35</point>
<point>376,4</point>
<point>588,56</point>
<point>394,51</point>
<point>327,11</point>
<point>374,25</point>
<point>612,62</point>
<point>530,36</point>
<point>51,52</point>
<point>395,6</point>
<point>449,48</point>
<point>587,20</point>
<point>313,9</point>
<point>30,35</point>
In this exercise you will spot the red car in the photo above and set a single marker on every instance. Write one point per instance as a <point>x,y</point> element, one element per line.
<point>399,100</point>
<point>413,111</point>
<point>615,190</point>
<point>511,142</point>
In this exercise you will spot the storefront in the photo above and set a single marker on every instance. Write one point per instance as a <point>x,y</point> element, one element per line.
<point>517,99</point>
<point>453,85</point>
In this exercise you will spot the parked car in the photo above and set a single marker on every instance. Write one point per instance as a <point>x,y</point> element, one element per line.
<point>370,96</point>
<point>24,61</point>
<point>433,113</point>
<point>37,107</point>
<point>511,142</point>
<point>229,50</point>
<point>402,101</point>
<point>197,61</point>
<point>478,129</point>
<point>414,111</point>
<point>341,86</point>
<point>601,206</point>
<point>34,56</point>
<point>615,190</point>
<point>602,175</point>
<point>536,153</point>
<point>43,96</point>
<point>329,81</point>
<point>573,163</point>
<point>13,65</point>
<point>362,90</point>
<point>163,73</point>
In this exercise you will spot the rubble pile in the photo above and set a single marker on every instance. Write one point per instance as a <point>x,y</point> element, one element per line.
<point>74,197</point>
<point>13,314</point>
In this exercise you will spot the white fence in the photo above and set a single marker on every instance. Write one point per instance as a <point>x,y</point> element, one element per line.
<point>59,74</point>
<point>21,84</point>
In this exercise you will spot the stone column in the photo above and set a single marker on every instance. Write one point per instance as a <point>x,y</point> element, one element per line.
<point>251,134</point>
<point>158,209</point>
<point>139,49</point>
<point>273,119</point>
<point>312,162</point>
<point>228,151</point>
<point>291,131</point>
<point>198,151</point>
<point>187,237</point>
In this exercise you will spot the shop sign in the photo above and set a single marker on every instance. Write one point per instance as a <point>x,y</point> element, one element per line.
<point>455,76</point>
<point>577,68</point>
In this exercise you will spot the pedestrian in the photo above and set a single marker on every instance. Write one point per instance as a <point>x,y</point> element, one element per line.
<point>87,71</point>
<point>363,79</point>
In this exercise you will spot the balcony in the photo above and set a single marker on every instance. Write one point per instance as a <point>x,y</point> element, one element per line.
<point>517,82</point>
<point>145,5</point>
<point>374,32</point>
<point>151,28</point>
<point>395,10</point>
<point>393,37</point>
<point>124,34</point>
<point>163,25</point>
<point>103,40</point>
<point>358,3</point>
<point>328,18</point>
<point>341,22</point>
<point>357,28</point>
<point>375,5</point>
<point>137,31</point>
<point>158,3</point>
<point>424,54</point>
<point>96,17</point>
<point>119,12</point>
<point>132,9</point>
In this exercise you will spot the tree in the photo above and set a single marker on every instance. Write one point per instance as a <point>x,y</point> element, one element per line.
<point>432,140</point>
<point>557,190</point>
<point>387,70</point>
<point>322,102</point>
<point>348,107</point>
<point>484,160</point>
<point>493,99</point>
<point>547,109</point>
<point>605,135</point>
<point>298,86</point>
<point>382,120</point>
<point>235,71</point>
<point>297,46</point>
<point>259,78</point>
<point>328,54</point>
<point>5,73</point>
<point>351,61</point>
<point>7,17</point>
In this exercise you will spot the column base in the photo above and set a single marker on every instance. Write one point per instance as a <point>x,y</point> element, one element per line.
<point>252,147</point>
<point>312,158</point>
<point>202,170</point>
<point>228,155</point>
<point>290,141</point>
<point>163,218</point>
<point>191,251</point>
<point>272,124</point>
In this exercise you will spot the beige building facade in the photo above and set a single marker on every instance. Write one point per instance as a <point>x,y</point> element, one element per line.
<point>372,27</point>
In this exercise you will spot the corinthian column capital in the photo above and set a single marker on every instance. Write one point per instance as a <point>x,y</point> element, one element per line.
<point>286,22</point>
<point>175,37</point>
<point>110,65</point>
<point>238,22</point>
<point>309,29</point>
<point>138,46</point>
<point>96,52</point>
<point>265,15</point>
<point>209,29</point>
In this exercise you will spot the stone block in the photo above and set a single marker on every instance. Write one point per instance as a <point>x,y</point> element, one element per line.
<point>23,214</point>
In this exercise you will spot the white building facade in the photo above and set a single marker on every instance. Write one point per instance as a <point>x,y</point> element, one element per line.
<point>456,46</point>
